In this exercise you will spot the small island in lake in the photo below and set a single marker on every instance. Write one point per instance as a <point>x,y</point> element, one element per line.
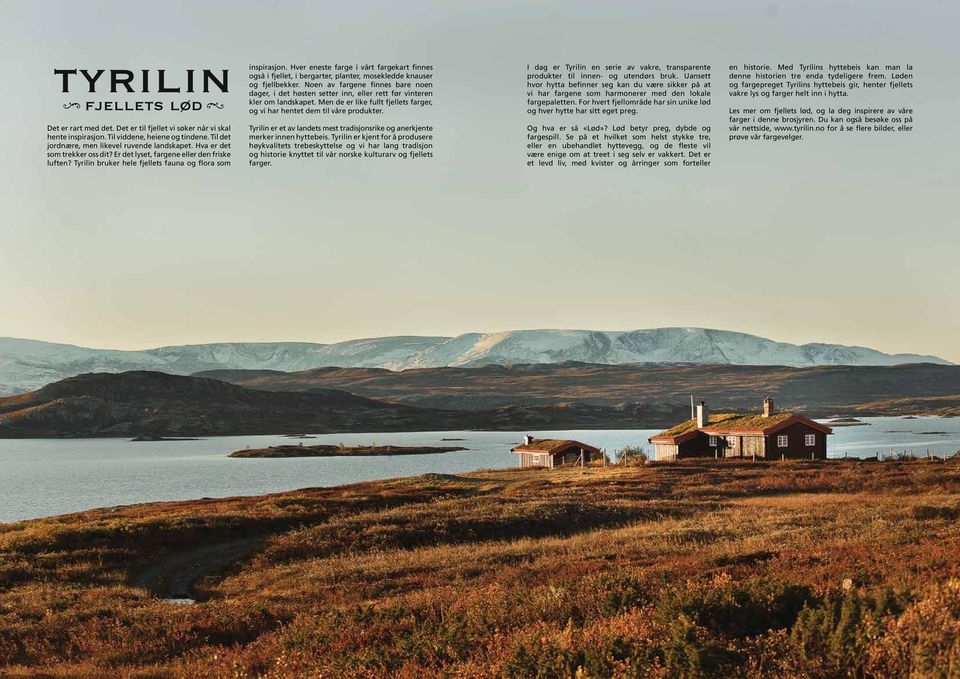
<point>342,451</point>
<point>848,422</point>
<point>153,437</point>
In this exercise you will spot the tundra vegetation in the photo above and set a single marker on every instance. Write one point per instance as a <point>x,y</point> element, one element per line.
<point>689,569</point>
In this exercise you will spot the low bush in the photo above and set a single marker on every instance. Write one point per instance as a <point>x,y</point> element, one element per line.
<point>736,609</point>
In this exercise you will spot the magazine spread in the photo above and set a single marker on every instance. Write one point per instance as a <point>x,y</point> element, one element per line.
<point>535,339</point>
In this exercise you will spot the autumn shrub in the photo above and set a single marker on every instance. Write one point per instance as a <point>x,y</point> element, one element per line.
<point>545,654</point>
<point>543,658</point>
<point>922,642</point>
<point>630,456</point>
<point>616,593</point>
<point>693,654</point>
<point>736,609</point>
<point>830,638</point>
<point>930,512</point>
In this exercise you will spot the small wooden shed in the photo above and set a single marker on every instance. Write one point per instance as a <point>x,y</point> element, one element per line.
<point>552,453</point>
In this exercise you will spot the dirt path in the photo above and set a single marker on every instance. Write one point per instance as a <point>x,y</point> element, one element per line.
<point>174,576</point>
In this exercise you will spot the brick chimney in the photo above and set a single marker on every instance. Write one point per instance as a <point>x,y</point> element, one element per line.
<point>768,407</point>
<point>703,416</point>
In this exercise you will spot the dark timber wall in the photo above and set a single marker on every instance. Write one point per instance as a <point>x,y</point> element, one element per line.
<point>796,447</point>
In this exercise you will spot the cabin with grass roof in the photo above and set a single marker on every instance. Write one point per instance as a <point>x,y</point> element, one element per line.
<point>768,435</point>
<point>552,453</point>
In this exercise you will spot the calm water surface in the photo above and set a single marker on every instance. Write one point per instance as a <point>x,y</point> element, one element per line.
<point>44,477</point>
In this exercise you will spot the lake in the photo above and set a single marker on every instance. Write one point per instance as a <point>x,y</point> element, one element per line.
<point>44,477</point>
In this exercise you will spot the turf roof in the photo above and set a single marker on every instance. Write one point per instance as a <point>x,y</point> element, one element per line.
<point>547,445</point>
<point>691,425</point>
<point>750,422</point>
<point>728,422</point>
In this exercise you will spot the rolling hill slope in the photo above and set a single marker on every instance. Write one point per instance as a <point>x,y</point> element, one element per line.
<point>824,390</point>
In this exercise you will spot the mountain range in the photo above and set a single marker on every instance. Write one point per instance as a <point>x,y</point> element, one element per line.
<point>29,364</point>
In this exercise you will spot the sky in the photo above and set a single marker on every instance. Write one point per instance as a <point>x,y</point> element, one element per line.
<point>848,239</point>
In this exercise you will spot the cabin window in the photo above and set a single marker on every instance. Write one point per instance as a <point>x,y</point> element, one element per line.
<point>810,439</point>
<point>782,441</point>
<point>731,442</point>
<point>713,441</point>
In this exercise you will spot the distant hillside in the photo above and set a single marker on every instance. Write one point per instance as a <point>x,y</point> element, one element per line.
<point>136,403</point>
<point>29,364</point>
<point>150,403</point>
<point>822,390</point>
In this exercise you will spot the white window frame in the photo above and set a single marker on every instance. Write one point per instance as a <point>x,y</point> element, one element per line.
<point>809,440</point>
<point>732,442</point>
<point>783,441</point>
<point>713,441</point>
